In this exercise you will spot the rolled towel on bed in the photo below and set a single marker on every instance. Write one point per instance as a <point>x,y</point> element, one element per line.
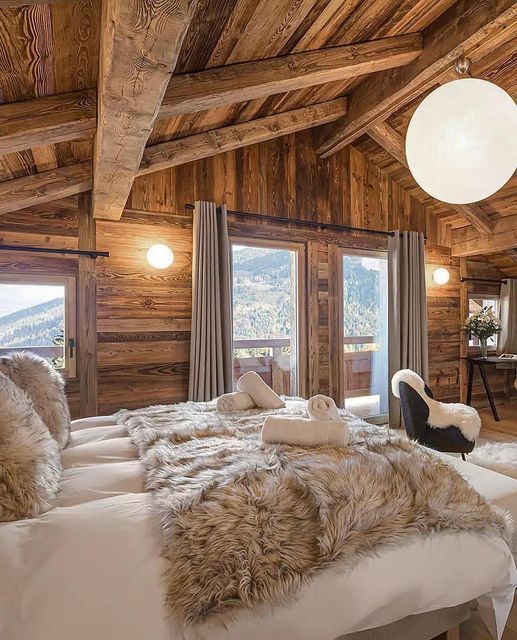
<point>263,396</point>
<point>322,408</point>
<point>304,432</point>
<point>236,401</point>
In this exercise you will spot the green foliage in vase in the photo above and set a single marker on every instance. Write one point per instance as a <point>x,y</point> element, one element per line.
<point>482,324</point>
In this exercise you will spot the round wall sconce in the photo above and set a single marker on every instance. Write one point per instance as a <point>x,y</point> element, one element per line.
<point>441,275</point>
<point>460,144</point>
<point>160,256</point>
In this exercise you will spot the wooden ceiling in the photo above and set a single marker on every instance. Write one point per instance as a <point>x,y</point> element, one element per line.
<point>52,49</point>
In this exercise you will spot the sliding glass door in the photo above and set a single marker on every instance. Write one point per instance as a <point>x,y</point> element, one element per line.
<point>365,333</point>
<point>266,327</point>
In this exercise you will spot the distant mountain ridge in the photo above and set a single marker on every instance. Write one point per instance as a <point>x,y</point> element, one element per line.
<point>35,326</point>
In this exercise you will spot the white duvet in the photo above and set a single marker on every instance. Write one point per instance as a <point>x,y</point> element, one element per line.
<point>91,567</point>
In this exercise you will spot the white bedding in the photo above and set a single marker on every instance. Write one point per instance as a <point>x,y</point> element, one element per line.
<point>91,567</point>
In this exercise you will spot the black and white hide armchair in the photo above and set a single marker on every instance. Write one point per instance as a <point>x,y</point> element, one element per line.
<point>447,427</point>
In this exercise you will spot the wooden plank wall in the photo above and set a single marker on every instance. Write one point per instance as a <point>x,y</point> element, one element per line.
<point>143,315</point>
<point>501,382</point>
<point>47,226</point>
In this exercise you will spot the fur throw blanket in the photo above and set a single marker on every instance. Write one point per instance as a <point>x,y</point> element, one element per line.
<point>30,461</point>
<point>245,524</point>
<point>45,387</point>
<point>441,414</point>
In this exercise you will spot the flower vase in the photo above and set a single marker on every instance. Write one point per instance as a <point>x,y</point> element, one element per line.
<point>483,348</point>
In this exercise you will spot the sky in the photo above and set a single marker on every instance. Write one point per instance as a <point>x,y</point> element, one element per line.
<point>14,297</point>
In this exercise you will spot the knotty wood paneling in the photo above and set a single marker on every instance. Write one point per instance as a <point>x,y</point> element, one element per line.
<point>143,314</point>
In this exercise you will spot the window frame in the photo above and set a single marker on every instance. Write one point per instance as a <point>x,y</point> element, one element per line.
<point>301,264</point>
<point>69,283</point>
<point>343,251</point>
<point>472,295</point>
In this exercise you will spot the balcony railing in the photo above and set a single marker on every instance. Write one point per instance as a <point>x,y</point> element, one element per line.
<point>358,366</point>
<point>54,351</point>
<point>274,367</point>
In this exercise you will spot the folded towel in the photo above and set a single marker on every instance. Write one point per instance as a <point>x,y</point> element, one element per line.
<point>236,401</point>
<point>263,396</point>
<point>305,432</point>
<point>322,408</point>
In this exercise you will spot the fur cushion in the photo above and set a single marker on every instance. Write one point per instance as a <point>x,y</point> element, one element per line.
<point>441,414</point>
<point>45,387</point>
<point>30,464</point>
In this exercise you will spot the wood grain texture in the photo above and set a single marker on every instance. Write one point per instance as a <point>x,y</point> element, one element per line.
<point>6,4</point>
<point>139,49</point>
<point>87,310</point>
<point>390,139</point>
<point>464,27</point>
<point>45,187</point>
<point>192,92</point>
<point>47,120</point>
<point>204,145</point>
<point>468,242</point>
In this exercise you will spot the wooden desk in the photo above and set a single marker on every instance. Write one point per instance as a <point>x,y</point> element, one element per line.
<point>481,363</point>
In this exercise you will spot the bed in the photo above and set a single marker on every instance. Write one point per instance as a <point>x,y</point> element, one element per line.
<point>91,566</point>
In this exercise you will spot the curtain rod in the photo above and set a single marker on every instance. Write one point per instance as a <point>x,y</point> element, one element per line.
<point>302,223</point>
<point>491,280</point>
<point>69,252</point>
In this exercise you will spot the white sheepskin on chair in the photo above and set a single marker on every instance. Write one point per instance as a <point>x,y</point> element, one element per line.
<point>441,414</point>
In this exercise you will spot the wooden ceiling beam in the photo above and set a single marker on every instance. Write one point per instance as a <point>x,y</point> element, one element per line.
<point>45,187</point>
<point>47,120</point>
<point>59,183</point>
<point>53,119</point>
<point>7,4</point>
<point>211,143</point>
<point>140,45</point>
<point>504,237</point>
<point>391,140</point>
<point>465,28</point>
<point>191,92</point>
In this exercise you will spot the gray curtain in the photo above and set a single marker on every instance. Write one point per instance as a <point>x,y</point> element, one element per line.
<point>211,335</point>
<point>507,340</point>
<point>407,310</point>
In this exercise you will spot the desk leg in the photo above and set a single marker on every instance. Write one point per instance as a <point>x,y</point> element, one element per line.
<point>489,392</point>
<point>470,382</point>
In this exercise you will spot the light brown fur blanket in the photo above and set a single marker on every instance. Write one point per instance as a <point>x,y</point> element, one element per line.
<point>246,524</point>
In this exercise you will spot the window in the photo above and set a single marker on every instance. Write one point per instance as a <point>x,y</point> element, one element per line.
<point>266,325</point>
<point>365,332</point>
<point>476,303</point>
<point>38,314</point>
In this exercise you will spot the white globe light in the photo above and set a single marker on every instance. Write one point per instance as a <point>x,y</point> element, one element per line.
<point>461,144</point>
<point>160,256</point>
<point>441,275</point>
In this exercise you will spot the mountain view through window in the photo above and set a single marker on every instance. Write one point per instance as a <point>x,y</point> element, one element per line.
<point>32,317</point>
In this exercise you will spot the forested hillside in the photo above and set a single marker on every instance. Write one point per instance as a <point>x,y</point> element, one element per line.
<point>262,295</point>
<point>35,326</point>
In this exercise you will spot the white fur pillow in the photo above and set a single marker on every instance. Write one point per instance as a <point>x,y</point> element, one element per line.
<point>45,387</point>
<point>30,460</point>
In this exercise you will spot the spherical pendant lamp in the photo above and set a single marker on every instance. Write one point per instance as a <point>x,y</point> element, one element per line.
<point>461,144</point>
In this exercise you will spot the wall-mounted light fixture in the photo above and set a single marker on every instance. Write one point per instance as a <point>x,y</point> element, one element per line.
<point>160,256</point>
<point>441,275</point>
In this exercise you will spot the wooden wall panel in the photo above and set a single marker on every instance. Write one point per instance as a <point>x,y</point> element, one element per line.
<point>143,314</point>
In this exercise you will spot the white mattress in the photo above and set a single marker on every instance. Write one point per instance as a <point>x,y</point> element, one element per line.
<point>91,567</point>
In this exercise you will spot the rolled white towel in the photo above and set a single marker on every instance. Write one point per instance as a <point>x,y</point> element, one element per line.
<point>304,432</point>
<point>322,408</point>
<point>236,401</point>
<point>263,396</point>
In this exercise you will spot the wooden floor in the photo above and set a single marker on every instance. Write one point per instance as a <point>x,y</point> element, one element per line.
<point>506,431</point>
